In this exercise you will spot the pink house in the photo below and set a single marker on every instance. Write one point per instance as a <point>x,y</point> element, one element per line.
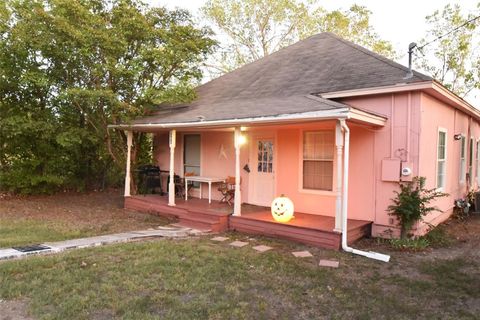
<point>327,123</point>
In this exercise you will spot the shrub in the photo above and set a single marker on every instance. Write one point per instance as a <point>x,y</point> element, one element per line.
<point>412,203</point>
<point>438,237</point>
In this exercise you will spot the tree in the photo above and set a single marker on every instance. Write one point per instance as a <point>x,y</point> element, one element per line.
<point>452,59</point>
<point>255,28</point>
<point>354,25</point>
<point>68,69</point>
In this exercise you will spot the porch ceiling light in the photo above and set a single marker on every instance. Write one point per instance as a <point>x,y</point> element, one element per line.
<point>242,139</point>
<point>282,209</point>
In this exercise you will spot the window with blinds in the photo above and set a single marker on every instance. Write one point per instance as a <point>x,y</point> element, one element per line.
<point>318,153</point>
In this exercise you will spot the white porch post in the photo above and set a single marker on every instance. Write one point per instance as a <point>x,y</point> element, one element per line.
<point>171,184</point>
<point>129,160</point>
<point>237,205</point>
<point>338,203</point>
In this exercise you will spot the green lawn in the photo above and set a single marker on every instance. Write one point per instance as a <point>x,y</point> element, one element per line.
<point>199,279</point>
<point>37,219</point>
<point>16,232</point>
<point>29,231</point>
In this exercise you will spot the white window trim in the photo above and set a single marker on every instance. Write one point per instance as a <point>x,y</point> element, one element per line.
<point>195,192</point>
<point>463,161</point>
<point>441,188</point>
<point>182,154</point>
<point>477,162</point>
<point>471,169</point>
<point>301,189</point>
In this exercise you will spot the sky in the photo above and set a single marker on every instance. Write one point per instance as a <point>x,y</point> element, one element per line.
<point>400,22</point>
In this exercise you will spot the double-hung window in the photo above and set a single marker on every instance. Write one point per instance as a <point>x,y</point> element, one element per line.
<point>463,163</point>
<point>477,162</point>
<point>318,154</point>
<point>441,158</point>
<point>470,161</point>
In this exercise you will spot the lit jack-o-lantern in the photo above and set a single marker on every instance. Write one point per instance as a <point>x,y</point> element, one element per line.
<point>282,209</point>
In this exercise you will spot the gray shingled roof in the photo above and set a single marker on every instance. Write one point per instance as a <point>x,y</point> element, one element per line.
<point>282,82</point>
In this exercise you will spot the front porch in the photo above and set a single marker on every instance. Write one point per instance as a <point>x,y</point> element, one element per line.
<point>312,229</point>
<point>308,161</point>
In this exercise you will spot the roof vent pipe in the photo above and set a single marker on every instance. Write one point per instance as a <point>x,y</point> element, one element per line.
<point>411,46</point>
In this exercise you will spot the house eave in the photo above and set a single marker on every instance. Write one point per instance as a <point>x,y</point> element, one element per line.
<point>377,90</point>
<point>341,113</point>
<point>433,88</point>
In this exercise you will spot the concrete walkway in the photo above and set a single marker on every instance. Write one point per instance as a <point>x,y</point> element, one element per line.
<point>59,246</point>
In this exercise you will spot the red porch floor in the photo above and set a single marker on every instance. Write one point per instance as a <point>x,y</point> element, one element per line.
<point>305,228</point>
<point>311,229</point>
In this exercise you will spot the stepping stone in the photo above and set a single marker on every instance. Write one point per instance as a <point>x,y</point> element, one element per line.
<point>262,248</point>
<point>302,254</point>
<point>238,244</point>
<point>219,239</point>
<point>329,263</point>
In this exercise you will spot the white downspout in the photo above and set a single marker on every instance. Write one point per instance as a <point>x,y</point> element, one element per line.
<point>346,153</point>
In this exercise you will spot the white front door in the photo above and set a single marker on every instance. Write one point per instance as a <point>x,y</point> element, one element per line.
<point>262,186</point>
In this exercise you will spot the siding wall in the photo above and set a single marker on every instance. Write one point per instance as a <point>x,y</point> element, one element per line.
<point>436,114</point>
<point>288,152</point>
<point>410,134</point>
<point>398,139</point>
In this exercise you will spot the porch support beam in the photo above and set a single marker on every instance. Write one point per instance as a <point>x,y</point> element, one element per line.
<point>171,185</point>
<point>129,160</point>
<point>237,205</point>
<point>338,189</point>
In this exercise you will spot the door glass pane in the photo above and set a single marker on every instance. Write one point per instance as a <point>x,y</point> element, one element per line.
<point>265,156</point>
<point>192,150</point>
<point>191,156</point>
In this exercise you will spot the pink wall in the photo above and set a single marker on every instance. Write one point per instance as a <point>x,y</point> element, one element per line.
<point>288,163</point>
<point>398,139</point>
<point>435,115</point>
<point>211,162</point>
<point>413,121</point>
<point>288,178</point>
<point>361,191</point>
<point>410,136</point>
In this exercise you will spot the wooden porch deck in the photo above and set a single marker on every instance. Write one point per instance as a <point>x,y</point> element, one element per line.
<point>311,229</point>
<point>195,213</point>
<point>306,228</point>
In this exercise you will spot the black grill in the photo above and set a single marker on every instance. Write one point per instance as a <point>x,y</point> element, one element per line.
<point>149,179</point>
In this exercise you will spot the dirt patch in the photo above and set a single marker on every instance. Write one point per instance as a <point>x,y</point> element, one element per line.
<point>14,310</point>
<point>104,209</point>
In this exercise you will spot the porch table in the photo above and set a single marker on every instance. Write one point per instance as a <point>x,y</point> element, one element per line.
<point>201,179</point>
